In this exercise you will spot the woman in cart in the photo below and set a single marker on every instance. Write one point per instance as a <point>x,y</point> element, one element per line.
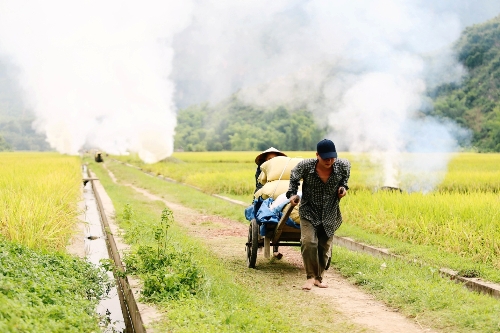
<point>266,155</point>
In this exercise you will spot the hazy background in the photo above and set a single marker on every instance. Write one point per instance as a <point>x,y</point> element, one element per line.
<point>112,74</point>
<point>97,73</point>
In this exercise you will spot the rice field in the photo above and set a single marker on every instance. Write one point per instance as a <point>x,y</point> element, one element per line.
<point>460,215</point>
<point>228,172</point>
<point>39,193</point>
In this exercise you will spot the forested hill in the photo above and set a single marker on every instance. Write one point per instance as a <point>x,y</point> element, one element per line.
<point>475,103</point>
<point>232,125</point>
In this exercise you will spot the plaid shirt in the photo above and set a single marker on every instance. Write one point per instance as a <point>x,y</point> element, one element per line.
<point>320,202</point>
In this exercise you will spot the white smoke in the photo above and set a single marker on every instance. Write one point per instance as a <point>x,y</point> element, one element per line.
<point>97,73</point>
<point>104,74</point>
<point>364,67</point>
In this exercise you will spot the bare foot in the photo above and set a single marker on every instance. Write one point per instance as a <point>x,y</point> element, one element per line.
<point>308,285</point>
<point>320,284</point>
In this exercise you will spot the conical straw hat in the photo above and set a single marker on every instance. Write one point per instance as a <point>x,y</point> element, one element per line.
<point>270,150</point>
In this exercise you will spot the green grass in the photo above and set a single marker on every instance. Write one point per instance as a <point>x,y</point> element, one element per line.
<point>419,292</point>
<point>467,172</point>
<point>416,290</point>
<point>451,223</point>
<point>233,298</point>
<point>460,217</point>
<point>178,193</point>
<point>430,255</point>
<point>470,172</point>
<point>448,229</point>
<point>42,290</point>
<point>47,292</point>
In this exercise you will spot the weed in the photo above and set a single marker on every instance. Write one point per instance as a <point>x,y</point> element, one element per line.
<point>47,292</point>
<point>161,232</point>
<point>127,213</point>
<point>168,272</point>
<point>469,273</point>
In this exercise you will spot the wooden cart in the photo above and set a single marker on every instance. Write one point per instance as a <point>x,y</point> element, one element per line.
<point>277,235</point>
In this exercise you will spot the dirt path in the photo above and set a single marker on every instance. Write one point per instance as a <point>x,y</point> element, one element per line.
<point>358,306</point>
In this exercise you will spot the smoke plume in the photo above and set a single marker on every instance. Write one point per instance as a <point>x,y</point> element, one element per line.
<point>97,73</point>
<point>112,74</point>
<point>364,67</point>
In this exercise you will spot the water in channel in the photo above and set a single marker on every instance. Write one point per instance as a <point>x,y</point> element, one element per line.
<point>95,249</point>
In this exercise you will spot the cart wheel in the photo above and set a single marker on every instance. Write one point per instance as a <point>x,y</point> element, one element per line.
<point>252,244</point>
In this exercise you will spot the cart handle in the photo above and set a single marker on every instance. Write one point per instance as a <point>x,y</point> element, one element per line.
<point>281,224</point>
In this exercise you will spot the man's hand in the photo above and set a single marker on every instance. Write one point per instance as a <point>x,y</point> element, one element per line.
<point>294,201</point>
<point>342,192</point>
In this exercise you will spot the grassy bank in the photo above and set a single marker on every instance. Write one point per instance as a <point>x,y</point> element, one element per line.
<point>47,292</point>
<point>41,288</point>
<point>416,290</point>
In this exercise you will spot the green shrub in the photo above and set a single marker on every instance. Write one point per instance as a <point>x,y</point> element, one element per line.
<point>167,271</point>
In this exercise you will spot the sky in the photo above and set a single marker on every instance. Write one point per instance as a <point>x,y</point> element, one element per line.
<point>113,74</point>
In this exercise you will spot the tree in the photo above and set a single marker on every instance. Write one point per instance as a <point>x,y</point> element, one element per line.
<point>4,146</point>
<point>473,103</point>
<point>234,125</point>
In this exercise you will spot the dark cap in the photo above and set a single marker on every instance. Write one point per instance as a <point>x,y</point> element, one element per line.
<point>326,149</point>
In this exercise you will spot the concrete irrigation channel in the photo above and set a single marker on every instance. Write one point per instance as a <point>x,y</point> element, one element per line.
<point>473,284</point>
<point>120,306</point>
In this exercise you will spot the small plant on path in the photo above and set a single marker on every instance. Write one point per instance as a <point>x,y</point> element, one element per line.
<point>167,271</point>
